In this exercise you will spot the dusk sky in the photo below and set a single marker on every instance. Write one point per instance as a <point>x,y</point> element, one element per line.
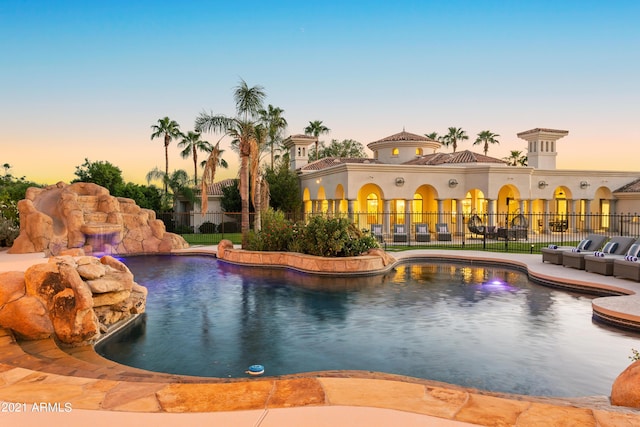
<point>85,79</point>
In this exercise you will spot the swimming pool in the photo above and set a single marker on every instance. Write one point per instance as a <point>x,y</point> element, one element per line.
<point>483,327</point>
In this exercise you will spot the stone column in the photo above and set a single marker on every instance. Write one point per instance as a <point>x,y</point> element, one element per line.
<point>545,216</point>
<point>588,226</point>
<point>330,207</point>
<point>491,212</point>
<point>573,214</point>
<point>440,210</point>
<point>407,216</point>
<point>614,221</point>
<point>336,207</point>
<point>386,216</point>
<point>351,212</point>
<point>459,218</point>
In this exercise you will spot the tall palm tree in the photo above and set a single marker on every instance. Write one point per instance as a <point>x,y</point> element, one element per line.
<point>275,124</point>
<point>516,158</point>
<point>486,137</point>
<point>193,143</point>
<point>169,129</point>
<point>316,128</point>
<point>241,128</point>
<point>452,138</point>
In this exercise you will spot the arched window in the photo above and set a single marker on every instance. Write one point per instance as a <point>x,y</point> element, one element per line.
<point>395,152</point>
<point>418,151</point>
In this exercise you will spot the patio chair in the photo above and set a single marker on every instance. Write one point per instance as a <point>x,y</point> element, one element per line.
<point>618,245</point>
<point>376,231</point>
<point>602,262</point>
<point>627,269</point>
<point>422,233</point>
<point>399,233</point>
<point>591,243</point>
<point>442,232</point>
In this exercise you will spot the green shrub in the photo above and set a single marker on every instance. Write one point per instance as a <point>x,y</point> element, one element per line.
<point>9,223</point>
<point>635,355</point>
<point>207,228</point>
<point>276,233</point>
<point>333,237</point>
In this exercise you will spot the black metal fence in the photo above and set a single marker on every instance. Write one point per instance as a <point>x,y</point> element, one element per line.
<point>492,232</point>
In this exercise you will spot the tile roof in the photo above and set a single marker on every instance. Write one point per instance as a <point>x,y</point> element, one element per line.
<point>459,157</point>
<point>632,187</point>
<point>215,189</point>
<point>332,161</point>
<point>404,136</point>
<point>527,132</point>
<point>301,135</point>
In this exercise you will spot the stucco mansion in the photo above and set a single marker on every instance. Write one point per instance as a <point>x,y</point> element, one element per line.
<point>409,181</point>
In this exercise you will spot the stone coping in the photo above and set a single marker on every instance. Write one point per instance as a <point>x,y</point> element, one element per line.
<point>343,266</point>
<point>46,376</point>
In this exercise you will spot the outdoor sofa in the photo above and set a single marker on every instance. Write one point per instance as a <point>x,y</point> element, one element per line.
<point>602,263</point>
<point>626,269</point>
<point>618,245</point>
<point>591,243</point>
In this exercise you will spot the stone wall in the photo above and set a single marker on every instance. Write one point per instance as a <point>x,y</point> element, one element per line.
<point>74,299</point>
<point>84,215</point>
<point>374,261</point>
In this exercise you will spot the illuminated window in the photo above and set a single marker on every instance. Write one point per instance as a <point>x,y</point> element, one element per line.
<point>372,208</point>
<point>418,151</point>
<point>395,152</point>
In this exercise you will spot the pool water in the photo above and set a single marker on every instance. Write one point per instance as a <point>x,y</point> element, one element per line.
<point>483,327</point>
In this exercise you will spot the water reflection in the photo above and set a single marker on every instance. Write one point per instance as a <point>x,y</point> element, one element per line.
<point>484,327</point>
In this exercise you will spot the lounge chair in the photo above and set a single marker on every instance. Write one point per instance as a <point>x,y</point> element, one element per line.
<point>602,262</point>
<point>376,231</point>
<point>591,243</point>
<point>627,269</point>
<point>400,233</point>
<point>422,233</point>
<point>617,245</point>
<point>442,232</point>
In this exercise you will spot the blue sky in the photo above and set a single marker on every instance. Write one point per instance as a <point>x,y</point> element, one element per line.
<point>87,79</point>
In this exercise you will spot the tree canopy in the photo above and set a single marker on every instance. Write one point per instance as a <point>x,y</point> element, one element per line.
<point>344,148</point>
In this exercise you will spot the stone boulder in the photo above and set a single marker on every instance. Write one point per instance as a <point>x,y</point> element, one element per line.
<point>626,388</point>
<point>74,299</point>
<point>85,217</point>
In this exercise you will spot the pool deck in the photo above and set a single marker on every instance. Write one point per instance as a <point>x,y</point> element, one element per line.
<point>102,392</point>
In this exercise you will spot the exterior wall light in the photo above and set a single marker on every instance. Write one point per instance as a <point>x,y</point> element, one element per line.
<point>453,182</point>
<point>584,184</point>
<point>542,184</point>
<point>399,181</point>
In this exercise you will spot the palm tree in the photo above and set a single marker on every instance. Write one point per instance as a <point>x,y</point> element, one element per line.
<point>192,143</point>
<point>170,130</point>
<point>177,181</point>
<point>241,128</point>
<point>516,158</point>
<point>452,138</point>
<point>210,165</point>
<point>275,124</point>
<point>434,136</point>
<point>316,128</point>
<point>486,137</point>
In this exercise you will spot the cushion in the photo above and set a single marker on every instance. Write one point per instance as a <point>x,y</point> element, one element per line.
<point>599,254</point>
<point>575,250</point>
<point>422,229</point>
<point>634,250</point>
<point>376,228</point>
<point>553,246</point>
<point>399,228</point>
<point>443,229</point>
<point>631,258</point>
<point>610,247</point>
<point>584,245</point>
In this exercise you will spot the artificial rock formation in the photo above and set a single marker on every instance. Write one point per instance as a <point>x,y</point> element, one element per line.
<point>626,388</point>
<point>84,215</point>
<point>75,299</point>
